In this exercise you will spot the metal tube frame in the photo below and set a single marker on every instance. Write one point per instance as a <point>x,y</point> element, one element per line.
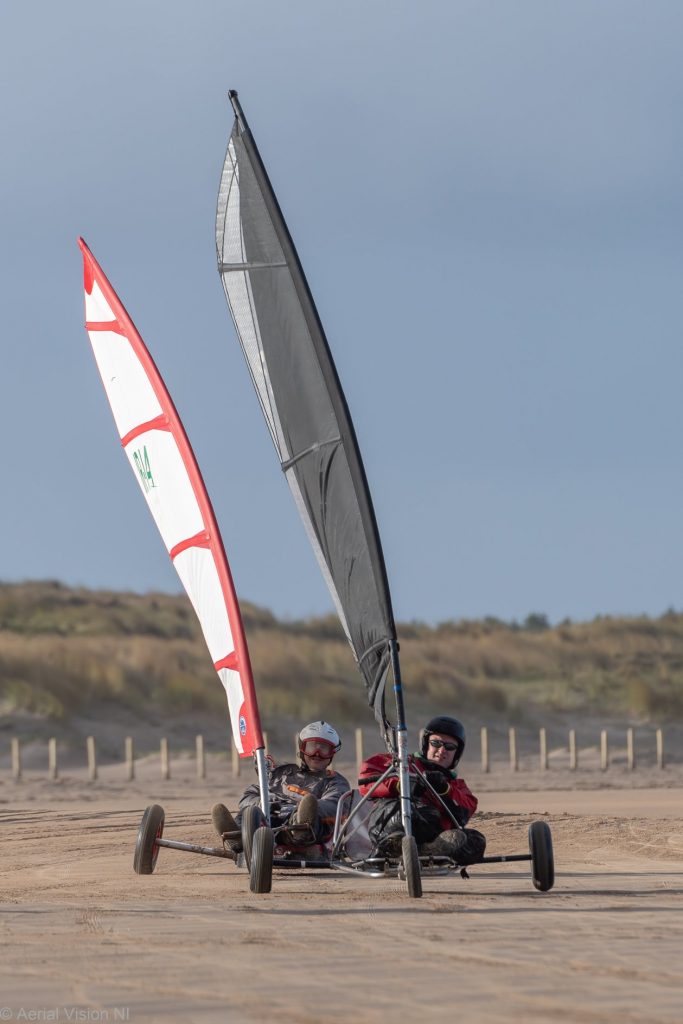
<point>214,851</point>
<point>343,828</point>
<point>209,851</point>
<point>429,786</point>
<point>501,860</point>
<point>292,862</point>
<point>401,744</point>
<point>262,770</point>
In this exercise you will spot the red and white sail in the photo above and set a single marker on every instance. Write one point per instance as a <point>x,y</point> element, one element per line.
<point>160,455</point>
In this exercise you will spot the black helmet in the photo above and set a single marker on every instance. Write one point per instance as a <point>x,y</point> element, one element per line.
<point>448,727</point>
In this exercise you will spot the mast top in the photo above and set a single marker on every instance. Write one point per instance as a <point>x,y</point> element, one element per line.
<point>239,114</point>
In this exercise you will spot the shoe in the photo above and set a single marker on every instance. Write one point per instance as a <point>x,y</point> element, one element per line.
<point>391,844</point>
<point>307,811</point>
<point>223,822</point>
<point>462,846</point>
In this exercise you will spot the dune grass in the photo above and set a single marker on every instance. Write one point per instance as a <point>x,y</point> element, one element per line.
<point>63,650</point>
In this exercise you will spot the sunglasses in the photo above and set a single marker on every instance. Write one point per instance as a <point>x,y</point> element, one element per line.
<point>438,744</point>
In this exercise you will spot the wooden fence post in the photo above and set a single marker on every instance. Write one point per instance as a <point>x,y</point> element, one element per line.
<point>201,760</point>
<point>630,750</point>
<point>514,764</point>
<point>92,758</point>
<point>165,761</point>
<point>52,758</point>
<point>485,766</point>
<point>604,751</point>
<point>573,752</point>
<point>359,753</point>
<point>543,749</point>
<point>16,759</point>
<point>130,758</point>
<point>265,743</point>
<point>659,736</point>
<point>235,760</point>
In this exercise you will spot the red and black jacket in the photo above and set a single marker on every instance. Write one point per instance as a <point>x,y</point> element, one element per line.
<point>458,798</point>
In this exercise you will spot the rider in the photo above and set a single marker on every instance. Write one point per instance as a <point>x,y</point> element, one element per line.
<point>300,794</point>
<point>442,742</point>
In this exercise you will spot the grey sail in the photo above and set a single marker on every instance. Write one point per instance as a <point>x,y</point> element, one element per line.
<point>302,400</point>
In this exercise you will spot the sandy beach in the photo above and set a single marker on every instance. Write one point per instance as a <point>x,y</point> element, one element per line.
<point>82,934</point>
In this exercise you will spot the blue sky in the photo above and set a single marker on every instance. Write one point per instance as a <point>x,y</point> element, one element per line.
<point>487,200</point>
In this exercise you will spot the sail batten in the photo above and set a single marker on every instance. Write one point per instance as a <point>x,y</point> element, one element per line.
<point>228,268</point>
<point>293,372</point>
<point>158,423</point>
<point>159,452</point>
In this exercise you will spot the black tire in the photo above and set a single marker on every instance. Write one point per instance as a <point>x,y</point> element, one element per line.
<point>252,819</point>
<point>146,849</point>
<point>542,859</point>
<point>411,866</point>
<point>261,870</point>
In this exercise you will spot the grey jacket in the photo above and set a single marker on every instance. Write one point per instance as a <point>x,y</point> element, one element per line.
<point>288,783</point>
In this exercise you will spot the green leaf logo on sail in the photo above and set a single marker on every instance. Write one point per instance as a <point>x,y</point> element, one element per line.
<point>141,460</point>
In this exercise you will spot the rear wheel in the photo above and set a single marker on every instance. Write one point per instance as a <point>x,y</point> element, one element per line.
<point>252,820</point>
<point>261,870</point>
<point>542,859</point>
<point>411,866</point>
<point>146,849</point>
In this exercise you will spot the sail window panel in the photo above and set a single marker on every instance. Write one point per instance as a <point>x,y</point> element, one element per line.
<point>234,249</point>
<point>233,690</point>
<point>229,228</point>
<point>199,576</point>
<point>163,479</point>
<point>303,403</point>
<point>261,244</point>
<point>243,314</point>
<point>128,388</point>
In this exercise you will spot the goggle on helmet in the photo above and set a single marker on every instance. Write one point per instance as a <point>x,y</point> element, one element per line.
<point>319,737</point>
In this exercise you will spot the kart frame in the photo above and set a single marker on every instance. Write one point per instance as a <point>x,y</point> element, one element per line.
<point>262,851</point>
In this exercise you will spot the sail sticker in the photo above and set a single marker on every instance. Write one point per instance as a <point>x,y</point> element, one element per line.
<point>142,464</point>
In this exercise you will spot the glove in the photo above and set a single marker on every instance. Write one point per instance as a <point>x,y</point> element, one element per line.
<point>417,786</point>
<point>439,781</point>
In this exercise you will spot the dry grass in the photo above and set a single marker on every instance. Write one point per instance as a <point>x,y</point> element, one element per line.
<point>63,649</point>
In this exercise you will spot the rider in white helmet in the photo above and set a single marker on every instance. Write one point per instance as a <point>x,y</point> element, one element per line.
<point>300,794</point>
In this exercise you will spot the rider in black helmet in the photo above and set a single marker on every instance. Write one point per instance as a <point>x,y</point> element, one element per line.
<point>450,727</point>
<point>441,745</point>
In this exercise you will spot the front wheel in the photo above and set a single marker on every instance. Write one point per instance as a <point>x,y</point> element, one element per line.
<point>252,820</point>
<point>146,849</point>
<point>261,870</point>
<point>411,866</point>
<point>542,859</point>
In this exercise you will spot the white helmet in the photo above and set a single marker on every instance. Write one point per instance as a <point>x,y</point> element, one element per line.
<point>323,732</point>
